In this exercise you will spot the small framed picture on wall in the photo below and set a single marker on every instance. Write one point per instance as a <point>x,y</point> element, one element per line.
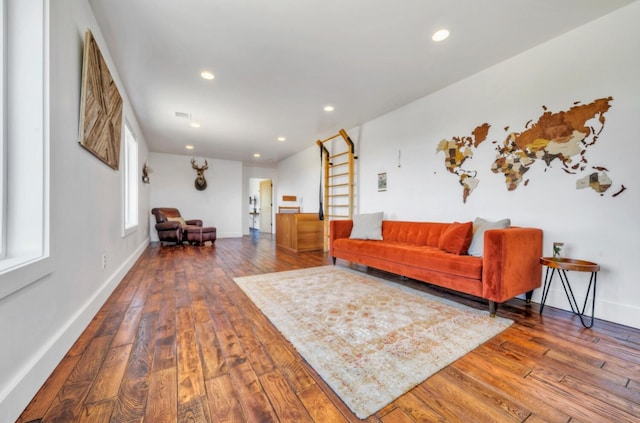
<point>382,181</point>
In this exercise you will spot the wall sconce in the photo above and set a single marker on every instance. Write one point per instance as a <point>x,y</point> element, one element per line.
<point>145,173</point>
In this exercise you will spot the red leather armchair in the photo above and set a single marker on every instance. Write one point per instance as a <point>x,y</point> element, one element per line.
<point>169,224</point>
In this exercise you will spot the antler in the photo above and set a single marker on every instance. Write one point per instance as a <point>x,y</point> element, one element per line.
<point>196,167</point>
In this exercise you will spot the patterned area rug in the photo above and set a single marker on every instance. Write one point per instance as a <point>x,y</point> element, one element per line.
<point>371,340</point>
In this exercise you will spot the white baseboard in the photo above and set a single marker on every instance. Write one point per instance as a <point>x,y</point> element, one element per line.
<point>19,392</point>
<point>623,314</point>
<point>229,235</point>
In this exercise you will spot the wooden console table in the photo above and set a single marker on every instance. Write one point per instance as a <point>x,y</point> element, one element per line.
<point>299,231</point>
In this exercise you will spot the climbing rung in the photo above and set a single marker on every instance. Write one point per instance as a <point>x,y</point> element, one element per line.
<point>337,205</point>
<point>330,138</point>
<point>338,155</point>
<point>338,185</point>
<point>338,195</point>
<point>339,164</point>
<point>339,174</point>
<point>340,215</point>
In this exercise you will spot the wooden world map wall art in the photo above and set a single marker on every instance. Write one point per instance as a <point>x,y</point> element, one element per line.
<point>100,107</point>
<point>554,138</point>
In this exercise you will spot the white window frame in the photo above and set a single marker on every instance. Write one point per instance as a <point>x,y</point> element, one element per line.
<point>130,180</point>
<point>3,167</point>
<point>25,164</point>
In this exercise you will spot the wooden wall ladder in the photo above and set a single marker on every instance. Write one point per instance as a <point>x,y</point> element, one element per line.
<point>338,162</point>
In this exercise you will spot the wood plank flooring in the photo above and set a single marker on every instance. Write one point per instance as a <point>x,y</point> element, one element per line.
<point>178,341</point>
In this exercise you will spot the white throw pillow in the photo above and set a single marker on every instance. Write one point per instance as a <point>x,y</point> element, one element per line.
<point>367,226</point>
<point>177,219</point>
<point>479,226</point>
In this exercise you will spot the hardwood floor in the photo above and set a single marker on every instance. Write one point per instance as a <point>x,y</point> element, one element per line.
<point>179,341</point>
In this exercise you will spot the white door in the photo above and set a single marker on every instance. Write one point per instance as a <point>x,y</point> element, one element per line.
<point>266,205</point>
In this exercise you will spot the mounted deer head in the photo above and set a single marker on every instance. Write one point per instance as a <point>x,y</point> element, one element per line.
<point>200,182</point>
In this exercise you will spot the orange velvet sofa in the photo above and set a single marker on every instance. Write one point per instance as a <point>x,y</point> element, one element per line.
<point>509,266</point>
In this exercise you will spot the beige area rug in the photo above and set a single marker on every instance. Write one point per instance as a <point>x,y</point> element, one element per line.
<point>371,340</point>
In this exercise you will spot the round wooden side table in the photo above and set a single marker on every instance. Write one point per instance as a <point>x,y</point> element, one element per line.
<point>562,265</point>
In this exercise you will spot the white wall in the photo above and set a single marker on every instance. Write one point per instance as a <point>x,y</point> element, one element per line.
<point>598,60</point>
<point>39,323</point>
<point>220,205</point>
<point>299,175</point>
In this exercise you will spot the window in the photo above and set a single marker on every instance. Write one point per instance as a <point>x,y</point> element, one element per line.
<point>24,149</point>
<point>130,176</point>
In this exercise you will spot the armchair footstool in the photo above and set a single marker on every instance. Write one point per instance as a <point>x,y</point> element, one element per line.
<point>198,235</point>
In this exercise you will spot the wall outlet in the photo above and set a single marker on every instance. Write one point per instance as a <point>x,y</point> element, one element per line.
<point>104,261</point>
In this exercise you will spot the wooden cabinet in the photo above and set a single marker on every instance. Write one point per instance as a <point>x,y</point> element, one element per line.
<point>299,231</point>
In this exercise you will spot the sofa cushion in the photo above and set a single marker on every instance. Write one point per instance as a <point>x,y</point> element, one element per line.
<point>419,233</point>
<point>480,225</point>
<point>419,256</point>
<point>456,238</point>
<point>367,226</point>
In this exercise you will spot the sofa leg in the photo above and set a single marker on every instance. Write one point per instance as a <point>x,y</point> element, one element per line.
<point>493,307</point>
<point>334,260</point>
<point>528,296</point>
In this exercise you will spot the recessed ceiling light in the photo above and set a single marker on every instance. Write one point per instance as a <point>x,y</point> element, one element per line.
<point>195,124</point>
<point>440,35</point>
<point>188,147</point>
<point>207,75</point>
<point>328,108</point>
<point>281,139</point>
<point>256,155</point>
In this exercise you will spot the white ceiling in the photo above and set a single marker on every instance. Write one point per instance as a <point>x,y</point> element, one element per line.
<point>279,62</point>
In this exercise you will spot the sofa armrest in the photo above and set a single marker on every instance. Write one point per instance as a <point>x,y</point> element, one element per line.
<point>168,226</point>
<point>511,262</point>
<point>194,222</point>
<point>338,229</point>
